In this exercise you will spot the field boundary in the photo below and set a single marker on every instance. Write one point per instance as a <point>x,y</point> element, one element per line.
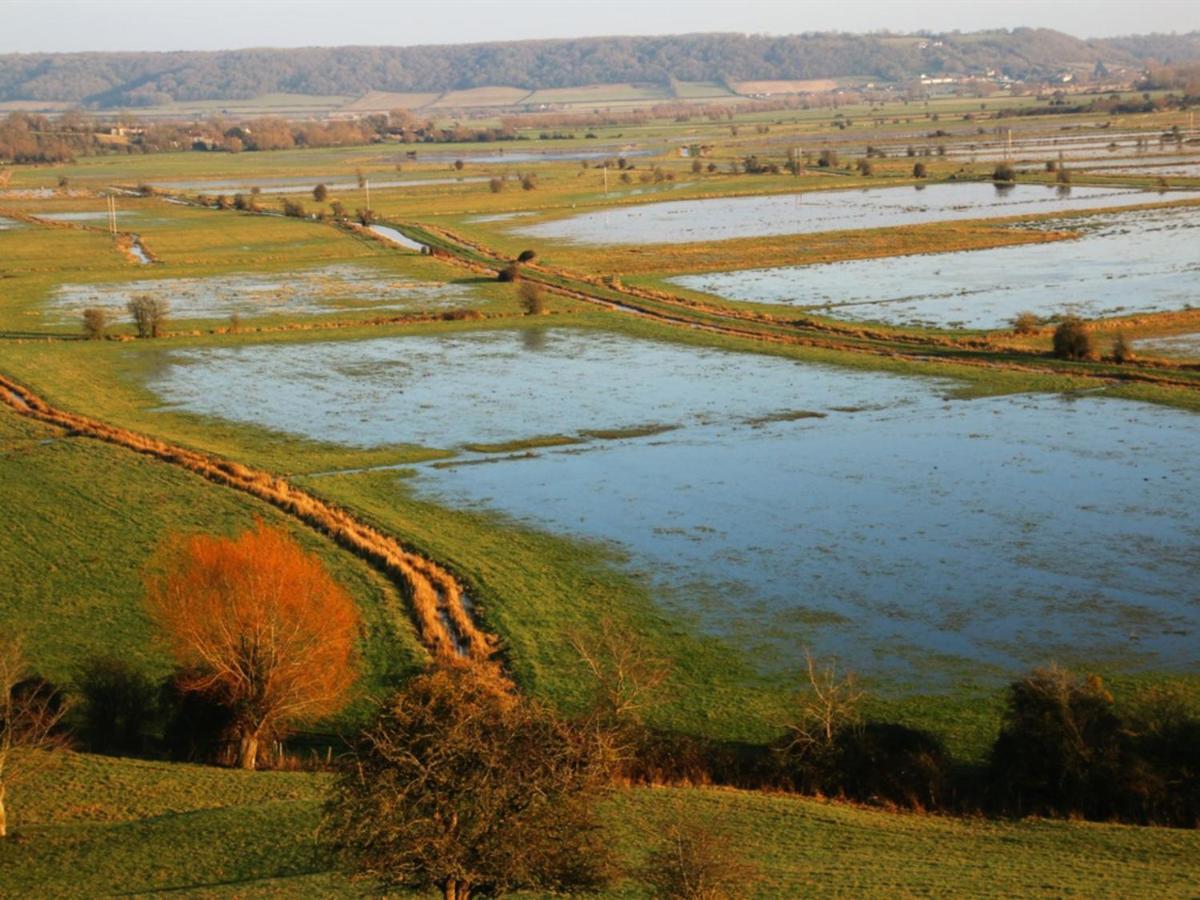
<point>436,598</point>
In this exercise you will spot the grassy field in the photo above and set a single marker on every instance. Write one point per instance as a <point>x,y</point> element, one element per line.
<point>82,520</point>
<point>96,826</point>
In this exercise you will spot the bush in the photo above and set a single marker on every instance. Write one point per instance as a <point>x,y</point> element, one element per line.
<point>1063,176</point>
<point>919,170</point>
<point>1026,323</point>
<point>865,167</point>
<point>511,272</point>
<point>526,256</point>
<point>320,192</point>
<point>528,182</point>
<point>531,298</point>
<point>118,707</point>
<point>1072,340</point>
<point>1004,173</point>
<point>1122,352</point>
<point>294,208</point>
<point>693,862</point>
<point>95,323</point>
<point>496,185</point>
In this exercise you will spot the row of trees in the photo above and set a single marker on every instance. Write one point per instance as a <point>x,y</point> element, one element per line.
<point>149,315</point>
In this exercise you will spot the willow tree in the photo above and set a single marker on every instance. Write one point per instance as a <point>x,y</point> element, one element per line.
<point>257,624</point>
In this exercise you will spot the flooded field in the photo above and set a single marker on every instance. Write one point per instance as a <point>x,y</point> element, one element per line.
<point>686,221</point>
<point>251,294</point>
<point>1138,261</point>
<point>1182,345</point>
<point>789,505</point>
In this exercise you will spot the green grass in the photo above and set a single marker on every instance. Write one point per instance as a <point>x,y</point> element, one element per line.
<point>95,826</point>
<point>82,519</point>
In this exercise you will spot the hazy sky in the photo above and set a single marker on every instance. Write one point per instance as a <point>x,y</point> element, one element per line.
<point>49,25</point>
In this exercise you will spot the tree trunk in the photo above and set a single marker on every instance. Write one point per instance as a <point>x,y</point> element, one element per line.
<point>455,890</point>
<point>248,750</point>
<point>3,815</point>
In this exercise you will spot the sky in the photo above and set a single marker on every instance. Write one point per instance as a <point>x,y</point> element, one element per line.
<point>28,26</point>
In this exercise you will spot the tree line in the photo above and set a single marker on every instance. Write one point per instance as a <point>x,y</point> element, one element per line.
<point>132,79</point>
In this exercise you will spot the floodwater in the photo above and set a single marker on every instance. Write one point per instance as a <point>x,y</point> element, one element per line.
<point>793,505</point>
<point>341,288</point>
<point>1182,345</point>
<point>8,224</point>
<point>397,237</point>
<point>685,221</point>
<point>1137,261</point>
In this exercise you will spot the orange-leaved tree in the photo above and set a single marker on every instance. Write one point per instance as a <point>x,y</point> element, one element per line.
<point>259,625</point>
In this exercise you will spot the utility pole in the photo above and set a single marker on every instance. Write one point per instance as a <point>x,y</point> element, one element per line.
<point>112,215</point>
<point>367,185</point>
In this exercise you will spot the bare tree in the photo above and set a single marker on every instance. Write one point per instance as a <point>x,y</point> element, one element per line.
<point>30,712</point>
<point>831,702</point>
<point>149,314</point>
<point>693,861</point>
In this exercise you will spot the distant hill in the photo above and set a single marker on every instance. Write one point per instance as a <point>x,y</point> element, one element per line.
<point>106,80</point>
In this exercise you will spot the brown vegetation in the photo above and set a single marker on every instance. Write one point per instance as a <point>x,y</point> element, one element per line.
<point>463,786</point>
<point>258,625</point>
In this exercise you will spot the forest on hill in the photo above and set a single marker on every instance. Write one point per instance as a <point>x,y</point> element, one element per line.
<point>133,79</point>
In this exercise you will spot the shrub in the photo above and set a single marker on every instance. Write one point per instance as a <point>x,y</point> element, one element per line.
<point>118,707</point>
<point>511,272</point>
<point>1122,352</point>
<point>1072,339</point>
<point>531,298</point>
<point>1026,323</point>
<point>691,861</point>
<point>294,208</point>
<point>95,323</point>
<point>528,182</point>
<point>920,170</point>
<point>526,256</point>
<point>865,167</point>
<point>320,192</point>
<point>496,184</point>
<point>1063,176</point>
<point>1004,173</point>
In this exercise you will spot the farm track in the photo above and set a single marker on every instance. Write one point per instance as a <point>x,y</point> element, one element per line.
<point>675,311</point>
<point>436,598</point>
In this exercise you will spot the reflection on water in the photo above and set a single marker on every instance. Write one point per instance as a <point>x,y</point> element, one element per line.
<point>900,529</point>
<point>1143,261</point>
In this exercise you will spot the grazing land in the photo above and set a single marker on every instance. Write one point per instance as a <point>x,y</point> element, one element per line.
<point>783,395</point>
